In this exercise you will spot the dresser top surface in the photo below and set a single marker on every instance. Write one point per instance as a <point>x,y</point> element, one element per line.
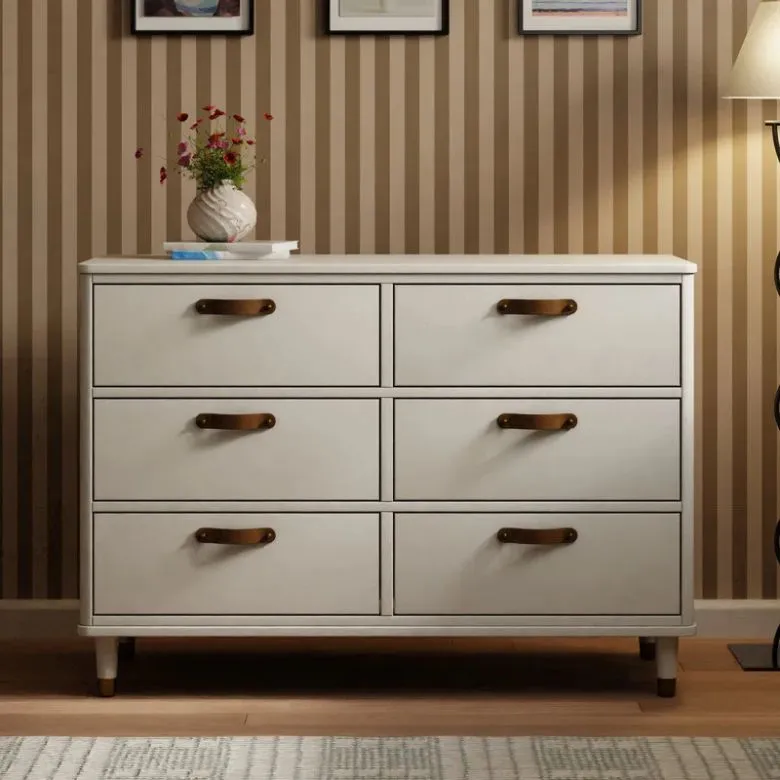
<point>398,264</point>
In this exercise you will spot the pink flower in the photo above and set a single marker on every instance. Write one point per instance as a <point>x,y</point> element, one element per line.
<point>196,124</point>
<point>181,148</point>
<point>184,160</point>
<point>250,142</point>
<point>238,118</point>
<point>236,141</point>
<point>209,108</point>
<point>216,114</point>
<point>163,174</point>
<point>268,116</point>
<point>139,153</point>
<point>241,132</point>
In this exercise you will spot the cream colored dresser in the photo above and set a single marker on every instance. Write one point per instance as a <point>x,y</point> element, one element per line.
<point>395,445</point>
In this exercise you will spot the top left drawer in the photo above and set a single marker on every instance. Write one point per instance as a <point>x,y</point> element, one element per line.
<point>269,335</point>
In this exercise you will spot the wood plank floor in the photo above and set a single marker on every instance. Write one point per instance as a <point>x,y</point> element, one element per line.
<point>383,687</point>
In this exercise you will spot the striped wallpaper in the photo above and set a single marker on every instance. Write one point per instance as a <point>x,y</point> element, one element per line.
<point>481,141</point>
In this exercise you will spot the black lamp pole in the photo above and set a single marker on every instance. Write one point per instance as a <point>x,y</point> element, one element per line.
<point>752,657</point>
<point>775,125</point>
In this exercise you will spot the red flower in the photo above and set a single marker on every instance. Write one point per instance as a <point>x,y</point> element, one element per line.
<point>181,148</point>
<point>268,116</point>
<point>184,160</point>
<point>216,114</point>
<point>230,158</point>
<point>250,142</point>
<point>236,141</point>
<point>182,117</point>
<point>209,108</point>
<point>163,174</point>
<point>238,118</point>
<point>214,142</point>
<point>196,124</point>
<point>139,153</point>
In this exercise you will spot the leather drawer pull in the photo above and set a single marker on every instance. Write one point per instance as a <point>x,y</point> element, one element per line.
<point>538,422</point>
<point>549,308</point>
<point>537,536</point>
<point>240,536</point>
<point>235,422</point>
<point>259,307</point>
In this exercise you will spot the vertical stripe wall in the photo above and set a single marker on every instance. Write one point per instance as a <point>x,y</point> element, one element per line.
<point>481,141</point>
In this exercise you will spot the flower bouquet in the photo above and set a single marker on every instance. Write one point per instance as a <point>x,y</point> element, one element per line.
<point>217,153</point>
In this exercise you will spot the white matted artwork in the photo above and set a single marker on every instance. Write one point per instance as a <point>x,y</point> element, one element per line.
<point>580,17</point>
<point>411,17</point>
<point>225,17</point>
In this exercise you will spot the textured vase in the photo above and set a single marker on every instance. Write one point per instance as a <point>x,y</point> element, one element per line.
<point>223,213</point>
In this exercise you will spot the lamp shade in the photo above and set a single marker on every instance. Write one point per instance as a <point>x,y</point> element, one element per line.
<point>756,73</point>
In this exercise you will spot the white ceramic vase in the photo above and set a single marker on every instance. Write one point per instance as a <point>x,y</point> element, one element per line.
<point>223,213</point>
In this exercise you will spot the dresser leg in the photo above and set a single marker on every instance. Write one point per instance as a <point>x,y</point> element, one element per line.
<point>107,657</point>
<point>666,665</point>
<point>647,648</point>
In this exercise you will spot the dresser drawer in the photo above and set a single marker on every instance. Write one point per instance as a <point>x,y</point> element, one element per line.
<point>153,335</point>
<point>619,335</point>
<point>154,450</point>
<point>619,564</point>
<point>153,564</point>
<point>619,450</point>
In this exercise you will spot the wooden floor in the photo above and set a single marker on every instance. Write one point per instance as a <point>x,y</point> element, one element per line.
<point>383,687</point>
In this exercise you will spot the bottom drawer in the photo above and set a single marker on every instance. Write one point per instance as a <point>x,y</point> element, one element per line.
<point>312,564</point>
<point>619,564</point>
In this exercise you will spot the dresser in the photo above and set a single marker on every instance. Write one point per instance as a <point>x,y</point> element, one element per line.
<point>387,446</point>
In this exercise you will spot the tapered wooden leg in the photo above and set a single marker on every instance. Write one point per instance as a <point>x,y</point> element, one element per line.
<point>107,658</point>
<point>647,648</point>
<point>666,665</point>
<point>126,648</point>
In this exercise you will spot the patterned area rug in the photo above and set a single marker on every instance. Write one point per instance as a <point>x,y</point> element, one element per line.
<point>412,758</point>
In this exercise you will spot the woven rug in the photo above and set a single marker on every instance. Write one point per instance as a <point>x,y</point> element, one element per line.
<point>412,758</point>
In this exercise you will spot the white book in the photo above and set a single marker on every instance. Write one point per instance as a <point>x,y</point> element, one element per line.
<point>246,250</point>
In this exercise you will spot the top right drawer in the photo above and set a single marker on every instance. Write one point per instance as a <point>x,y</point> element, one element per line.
<point>575,335</point>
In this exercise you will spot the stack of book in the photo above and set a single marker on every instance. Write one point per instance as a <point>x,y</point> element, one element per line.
<point>238,250</point>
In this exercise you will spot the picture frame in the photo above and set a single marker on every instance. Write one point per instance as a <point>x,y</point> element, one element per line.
<point>579,17</point>
<point>386,17</point>
<point>192,17</point>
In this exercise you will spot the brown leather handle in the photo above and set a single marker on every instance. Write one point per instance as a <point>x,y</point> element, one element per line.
<point>259,307</point>
<point>544,308</point>
<point>538,422</point>
<point>236,422</point>
<point>241,536</point>
<point>537,536</point>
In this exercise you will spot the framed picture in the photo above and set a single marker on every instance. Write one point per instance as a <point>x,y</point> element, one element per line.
<point>386,17</point>
<point>221,17</point>
<point>580,17</point>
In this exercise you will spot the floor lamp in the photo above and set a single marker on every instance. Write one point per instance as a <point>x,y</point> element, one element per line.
<point>756,76</point>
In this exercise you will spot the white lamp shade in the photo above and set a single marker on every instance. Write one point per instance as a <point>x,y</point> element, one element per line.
<point>756,73</point>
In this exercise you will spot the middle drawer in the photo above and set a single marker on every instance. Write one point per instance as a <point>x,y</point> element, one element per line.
<point>265,449</point>
<point>573,449</point>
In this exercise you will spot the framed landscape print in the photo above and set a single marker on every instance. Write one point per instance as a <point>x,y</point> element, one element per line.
<point>580,17</point>
<point>388,17</point>
<point>223,17</point>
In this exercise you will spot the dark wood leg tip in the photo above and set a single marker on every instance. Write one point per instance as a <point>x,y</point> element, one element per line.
<point>127,649</point>
<point>667,689</point>
<point>646,650</point>
<point>106,688</point>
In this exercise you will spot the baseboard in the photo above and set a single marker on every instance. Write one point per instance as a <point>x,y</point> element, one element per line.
<point>38,618</point>
<point>752,619</point>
